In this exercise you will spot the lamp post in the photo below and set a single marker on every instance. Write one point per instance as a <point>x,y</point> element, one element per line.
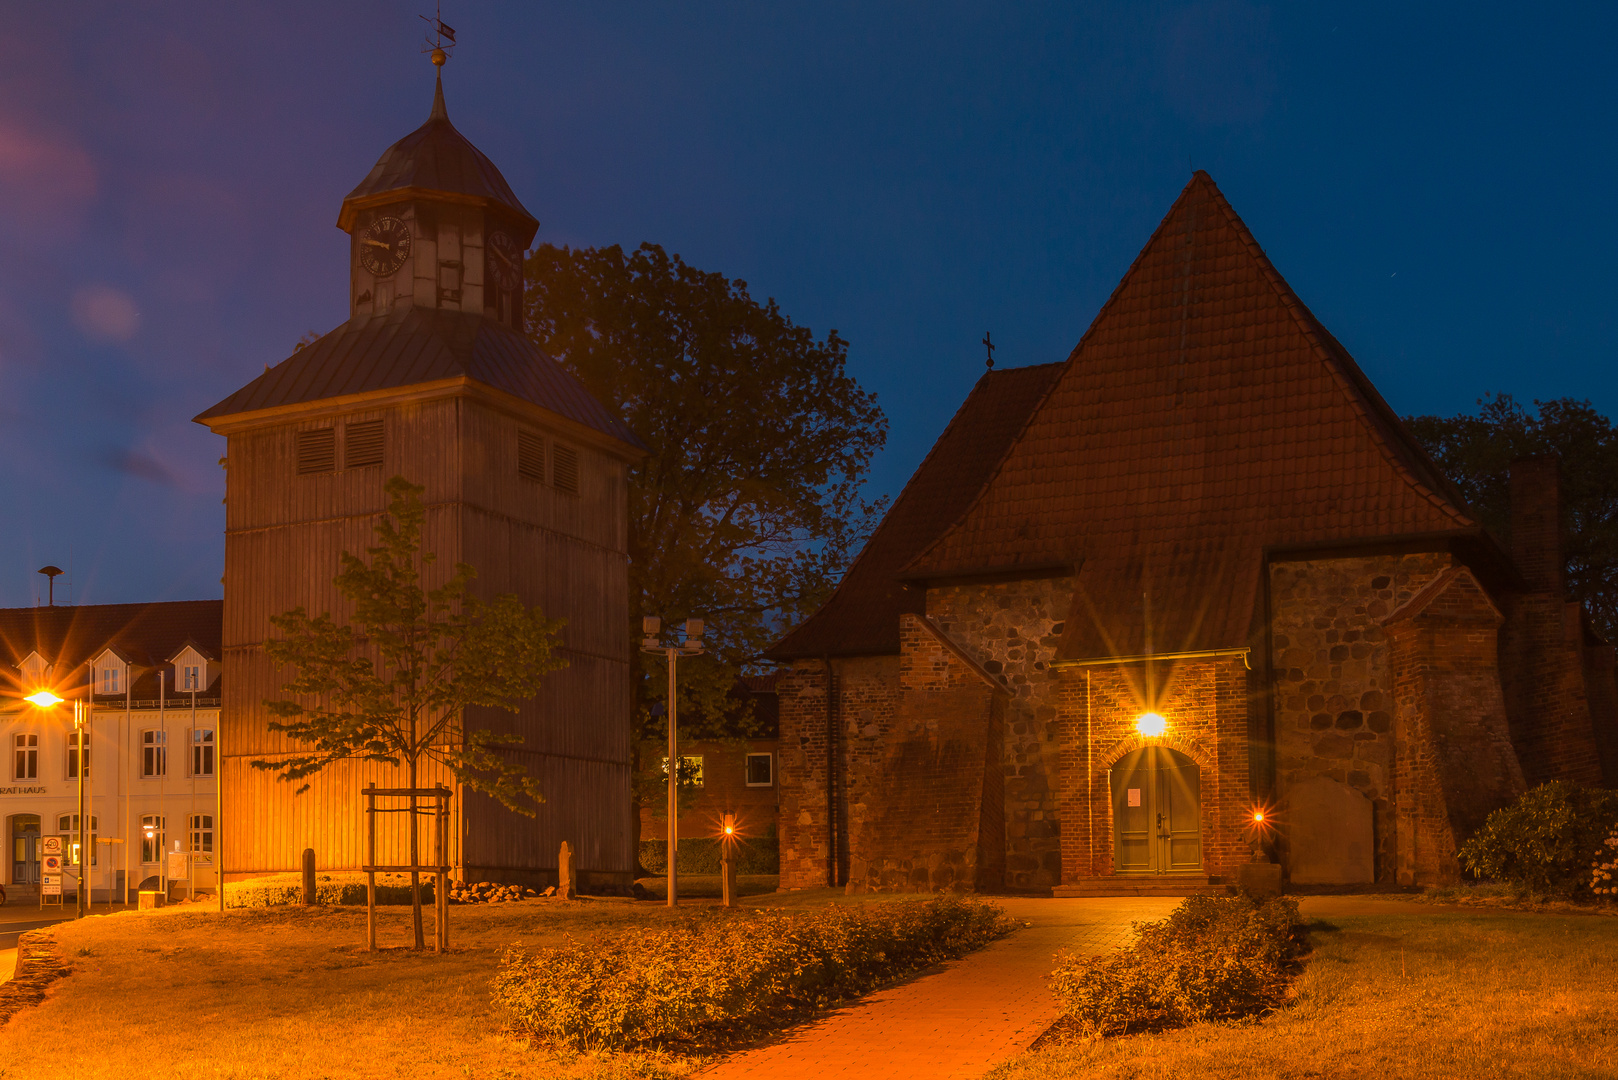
<point>44,699</point>
<point>651,627</point>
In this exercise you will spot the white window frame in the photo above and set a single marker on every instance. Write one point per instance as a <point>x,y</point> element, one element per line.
<point>191,678</point>
<point>158,841</point>
<point>154,749</point>
<point>200,827</point>
<point>747,772</point>
<point>78,752</point>
<point>67,827</point>
<point>202,747</point>
<point>25,746</point>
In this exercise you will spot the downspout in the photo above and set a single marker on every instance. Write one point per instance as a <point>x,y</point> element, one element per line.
<point>1264,781</point>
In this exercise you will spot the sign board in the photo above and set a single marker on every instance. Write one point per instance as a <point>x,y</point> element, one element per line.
<point>50,845</point>
<point>51,886</point>
<point>1134,796</point>
<point>51,864</point>
<point>177,865</point>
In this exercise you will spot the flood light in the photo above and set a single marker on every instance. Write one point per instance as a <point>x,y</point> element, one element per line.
<point>1151,725</point>
<point>43,698</point>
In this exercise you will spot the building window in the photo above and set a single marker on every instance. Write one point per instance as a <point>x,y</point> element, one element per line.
<point>26,764</point>
<point>110,681</point>
<point>78,743</point>
<point>202,838</point>
<point>362,444</point>
<point>565,468</point>
<point>317,450</point>
<point>201,752</point>
<point>530,456</point>
<point>191,677</point>
<point>690,769</point>
<point>152,838</point>
<point>154,753</point>
<point>760,770</point>
<point>67,826</point>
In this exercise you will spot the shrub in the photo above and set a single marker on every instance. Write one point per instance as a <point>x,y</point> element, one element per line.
<point>1544,839</point>
<point>1213,958</point>
<point>722,969</point>
<point>700,855</point>
<point>1604,870</point>
<point>278,889</point>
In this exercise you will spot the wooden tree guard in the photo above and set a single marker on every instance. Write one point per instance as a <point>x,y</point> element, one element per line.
<point>439,867</point>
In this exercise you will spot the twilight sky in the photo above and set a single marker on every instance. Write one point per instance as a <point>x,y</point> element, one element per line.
<point>1435,184</point>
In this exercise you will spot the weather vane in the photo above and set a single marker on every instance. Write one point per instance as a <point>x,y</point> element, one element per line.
<point>442,38</point>
<point>987,344</point>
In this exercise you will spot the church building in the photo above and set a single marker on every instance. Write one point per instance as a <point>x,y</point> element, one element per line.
<point>432,378</point>
<point>1190,598</point>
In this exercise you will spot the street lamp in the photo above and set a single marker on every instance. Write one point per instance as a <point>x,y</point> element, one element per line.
<point>45,699</point>
<point>651,626</point>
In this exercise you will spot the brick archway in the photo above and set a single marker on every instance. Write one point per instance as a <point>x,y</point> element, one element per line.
<point>1191,748</point>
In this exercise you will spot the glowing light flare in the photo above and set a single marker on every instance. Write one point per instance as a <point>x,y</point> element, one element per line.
<point>44,699</point>
<point>1260,820</point>
<point>1151,725</point>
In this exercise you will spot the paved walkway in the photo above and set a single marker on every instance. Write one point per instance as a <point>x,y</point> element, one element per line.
<point>960,1018</point>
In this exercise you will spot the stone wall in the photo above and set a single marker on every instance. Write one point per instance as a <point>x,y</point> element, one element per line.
<point>1012,629</point>
<point>1333,682</point>
<point>1204,702</point>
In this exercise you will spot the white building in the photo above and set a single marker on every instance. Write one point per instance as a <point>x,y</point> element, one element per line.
<point>150,673</point>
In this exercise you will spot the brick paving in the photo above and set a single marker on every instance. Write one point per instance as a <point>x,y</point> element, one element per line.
<point>958,1019</point>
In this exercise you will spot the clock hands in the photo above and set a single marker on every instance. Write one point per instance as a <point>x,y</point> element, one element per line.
<point>380,244</point>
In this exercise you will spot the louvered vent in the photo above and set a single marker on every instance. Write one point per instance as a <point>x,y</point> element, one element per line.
<point>565,469</point>
<point>530,456</point>
<point>362,444</point>
<point>317,450</point>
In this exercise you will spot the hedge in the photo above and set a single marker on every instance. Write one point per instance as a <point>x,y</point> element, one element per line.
<point>1545,839</point>
<point>278,889</point>
<point>700,855</point>
<point>680,982</point>
<point>1213,958</point>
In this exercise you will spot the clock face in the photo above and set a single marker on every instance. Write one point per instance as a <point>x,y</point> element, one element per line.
<point>384,246</point>
<point>505,262</point>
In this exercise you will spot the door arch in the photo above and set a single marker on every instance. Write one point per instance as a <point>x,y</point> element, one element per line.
<point>1156,813</point>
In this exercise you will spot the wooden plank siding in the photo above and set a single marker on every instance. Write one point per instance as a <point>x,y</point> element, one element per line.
<point>567,553</point>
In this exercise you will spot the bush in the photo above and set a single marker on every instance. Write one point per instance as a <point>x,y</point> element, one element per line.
<point>1604,870</point>
<point>722,969</point>
<point>1213,958</point>
<point>1544,840</point>
<point>700,855</point>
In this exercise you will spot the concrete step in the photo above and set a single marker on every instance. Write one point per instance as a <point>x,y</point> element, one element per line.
<point>1155,885</point>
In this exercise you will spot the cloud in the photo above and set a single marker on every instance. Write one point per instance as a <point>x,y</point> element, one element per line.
<point>105,313</point>
<point>45,181</point>
<point>140,465</point>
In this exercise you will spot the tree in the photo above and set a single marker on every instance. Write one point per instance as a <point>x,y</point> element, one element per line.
<point>1476,452</point>
<point>393,684</point>
<point>747,509</point>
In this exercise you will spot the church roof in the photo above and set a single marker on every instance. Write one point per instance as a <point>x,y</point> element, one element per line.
<point>1205,417</point>
<point>434,158</point>
<point>862,616</point>
<point>414,345</point>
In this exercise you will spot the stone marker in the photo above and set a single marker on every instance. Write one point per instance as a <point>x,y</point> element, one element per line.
<point>1329,830</point>
<point>1260,879</point>
<point>309,877</point>
<point>564,872</point>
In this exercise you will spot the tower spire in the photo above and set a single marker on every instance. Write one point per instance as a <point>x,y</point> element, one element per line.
<point>439,112</point>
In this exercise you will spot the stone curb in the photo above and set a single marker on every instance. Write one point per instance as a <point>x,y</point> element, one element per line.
<point>38,965</point>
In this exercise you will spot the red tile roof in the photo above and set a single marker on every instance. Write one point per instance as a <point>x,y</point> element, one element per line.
<point>1205,416</point>
<point>146,635</point>
<point>862,616</point>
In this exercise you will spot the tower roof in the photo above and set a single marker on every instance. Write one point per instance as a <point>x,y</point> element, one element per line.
<point>412,346</point>
<point>435,159</point>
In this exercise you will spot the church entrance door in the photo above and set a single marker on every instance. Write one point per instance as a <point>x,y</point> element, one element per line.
<point>1156,813</point>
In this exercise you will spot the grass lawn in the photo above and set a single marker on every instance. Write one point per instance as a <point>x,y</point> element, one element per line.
<point>1400,995</point>
<point>289,993</point>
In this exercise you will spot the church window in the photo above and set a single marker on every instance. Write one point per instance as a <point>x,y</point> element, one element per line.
<point>362,444</point>
<point>530,456</point>
<point>760,771</point>
<point>565,469</point>
<point>317,450</point>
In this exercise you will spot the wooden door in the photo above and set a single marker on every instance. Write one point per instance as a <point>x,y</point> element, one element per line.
<point>1156,813</point>
<point>25,850</point>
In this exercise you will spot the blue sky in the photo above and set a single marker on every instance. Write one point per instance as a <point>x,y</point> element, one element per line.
<point>1434,183</point>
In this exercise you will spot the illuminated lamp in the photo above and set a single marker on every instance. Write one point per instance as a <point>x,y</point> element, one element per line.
<point>1151,725</point>
<point>44,699</point>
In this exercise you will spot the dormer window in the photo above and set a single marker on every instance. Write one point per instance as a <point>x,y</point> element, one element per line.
<point>111,683</point>
<point>191,677</point>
